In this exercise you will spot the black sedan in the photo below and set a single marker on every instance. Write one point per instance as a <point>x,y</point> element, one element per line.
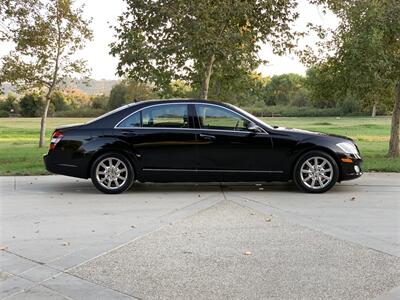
<point>196,140</point>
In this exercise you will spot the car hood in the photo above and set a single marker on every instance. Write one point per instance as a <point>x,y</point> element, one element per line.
<point>311,133</point>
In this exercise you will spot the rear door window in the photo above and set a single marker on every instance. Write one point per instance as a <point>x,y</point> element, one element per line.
<point>166,116</point>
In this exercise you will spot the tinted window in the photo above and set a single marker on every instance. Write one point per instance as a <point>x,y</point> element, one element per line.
<point>132,121</point>
<point>214,117</point>
<point>171,116</point>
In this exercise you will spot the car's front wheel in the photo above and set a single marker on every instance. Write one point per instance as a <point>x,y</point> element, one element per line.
<point>112,173</point>
<point>316,172</point>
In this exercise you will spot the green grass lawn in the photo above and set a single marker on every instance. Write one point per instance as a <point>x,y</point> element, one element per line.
<point>19,154</point>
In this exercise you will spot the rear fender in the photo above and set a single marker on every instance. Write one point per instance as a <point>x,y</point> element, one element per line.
<point>101,145</point>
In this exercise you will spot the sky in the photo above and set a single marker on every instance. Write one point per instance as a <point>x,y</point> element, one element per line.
<point>105,12</point>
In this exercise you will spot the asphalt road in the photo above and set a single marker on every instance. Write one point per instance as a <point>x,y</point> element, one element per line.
<point>61,239</point>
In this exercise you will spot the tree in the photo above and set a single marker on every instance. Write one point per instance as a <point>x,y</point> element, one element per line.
<point>129,91</point>
<point>46,35</point>
<point>31,105</point>
<point>59,101</point>
<point>163,41</point>
<point>283,88</point>
<point>99,102</point>
<point>365,52</point>
<point>321,83</point>
<point>10,104</point>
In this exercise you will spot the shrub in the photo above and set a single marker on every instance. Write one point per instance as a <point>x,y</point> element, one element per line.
<point>31,105</point>
<point>83,112</point>
<point>292,111</point>
<point>3,114</point>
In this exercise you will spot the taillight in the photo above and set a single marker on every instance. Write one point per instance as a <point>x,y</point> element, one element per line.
<point>55,138</point>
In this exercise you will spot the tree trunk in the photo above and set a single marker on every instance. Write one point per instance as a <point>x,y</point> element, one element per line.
<point>43,120</point>
<point>394,132</point>
<point>373,115</point>
<point>53,83</point>
<point>206,77</point>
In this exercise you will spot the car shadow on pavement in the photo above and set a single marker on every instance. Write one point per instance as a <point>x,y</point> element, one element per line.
<point>86,187</point>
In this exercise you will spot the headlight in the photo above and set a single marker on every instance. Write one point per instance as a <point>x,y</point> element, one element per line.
<point>348,148</point>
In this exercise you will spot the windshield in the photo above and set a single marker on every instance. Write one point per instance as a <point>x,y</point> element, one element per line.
<point>250,115</point>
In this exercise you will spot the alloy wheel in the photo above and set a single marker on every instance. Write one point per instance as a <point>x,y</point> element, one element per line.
<point>316,172</point>
<point>111,173</point>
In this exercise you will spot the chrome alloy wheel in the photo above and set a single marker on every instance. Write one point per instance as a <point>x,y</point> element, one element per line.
<point>316,172</point>
<point>111,173</point>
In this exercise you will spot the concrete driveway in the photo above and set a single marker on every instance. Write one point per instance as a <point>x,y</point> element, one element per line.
<point>62,239</point>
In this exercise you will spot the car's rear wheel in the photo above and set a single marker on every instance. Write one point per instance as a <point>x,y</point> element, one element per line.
<point>316,172</point>
<point>112,173</point>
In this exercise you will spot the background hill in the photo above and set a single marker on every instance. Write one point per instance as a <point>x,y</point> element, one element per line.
<point>92,87</point>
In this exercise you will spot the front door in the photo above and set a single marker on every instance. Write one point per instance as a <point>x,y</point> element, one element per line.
<point>227,150</point>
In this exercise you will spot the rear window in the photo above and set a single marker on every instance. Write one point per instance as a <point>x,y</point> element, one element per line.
<point>159,116</point>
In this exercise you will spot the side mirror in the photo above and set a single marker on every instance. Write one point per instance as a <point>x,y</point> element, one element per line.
<point>253,127</point>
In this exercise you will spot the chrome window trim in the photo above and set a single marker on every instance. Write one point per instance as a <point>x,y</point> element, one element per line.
<point>177,128</point>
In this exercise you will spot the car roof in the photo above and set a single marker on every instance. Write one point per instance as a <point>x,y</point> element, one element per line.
<point>174,100</point>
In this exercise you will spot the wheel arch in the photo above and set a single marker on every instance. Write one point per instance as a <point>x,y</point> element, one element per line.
<point>105,150</point>
<point>315,148</point>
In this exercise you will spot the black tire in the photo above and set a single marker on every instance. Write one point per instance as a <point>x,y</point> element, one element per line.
<point>119,160</point>
<point>306,186</point>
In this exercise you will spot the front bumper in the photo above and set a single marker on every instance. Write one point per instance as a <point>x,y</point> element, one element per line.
<point>350,170</point>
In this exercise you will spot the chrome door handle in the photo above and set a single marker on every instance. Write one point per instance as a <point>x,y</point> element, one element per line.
<point>207,137</point>
<point>128,133</point>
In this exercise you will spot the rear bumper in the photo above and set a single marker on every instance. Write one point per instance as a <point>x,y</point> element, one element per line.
<point>63,169</point>
<point>351,170</point>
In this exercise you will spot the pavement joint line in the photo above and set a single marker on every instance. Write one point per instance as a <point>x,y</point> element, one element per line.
<point>148,223</point>
<point>41,283</point>
<point>393,294</point>
<point>147,233</point>
<point>48,264</point>
<point>326,227</point>
<point>35,285</point>
<point>223,192</point>
<point>65,271</point>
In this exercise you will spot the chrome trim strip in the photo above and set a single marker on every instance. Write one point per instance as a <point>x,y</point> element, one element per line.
<point>67,165</point>
<point>205,170</point>
<point>187,103</point>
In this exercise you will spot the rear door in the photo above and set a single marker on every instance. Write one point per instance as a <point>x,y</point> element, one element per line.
<point>163,140</point>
